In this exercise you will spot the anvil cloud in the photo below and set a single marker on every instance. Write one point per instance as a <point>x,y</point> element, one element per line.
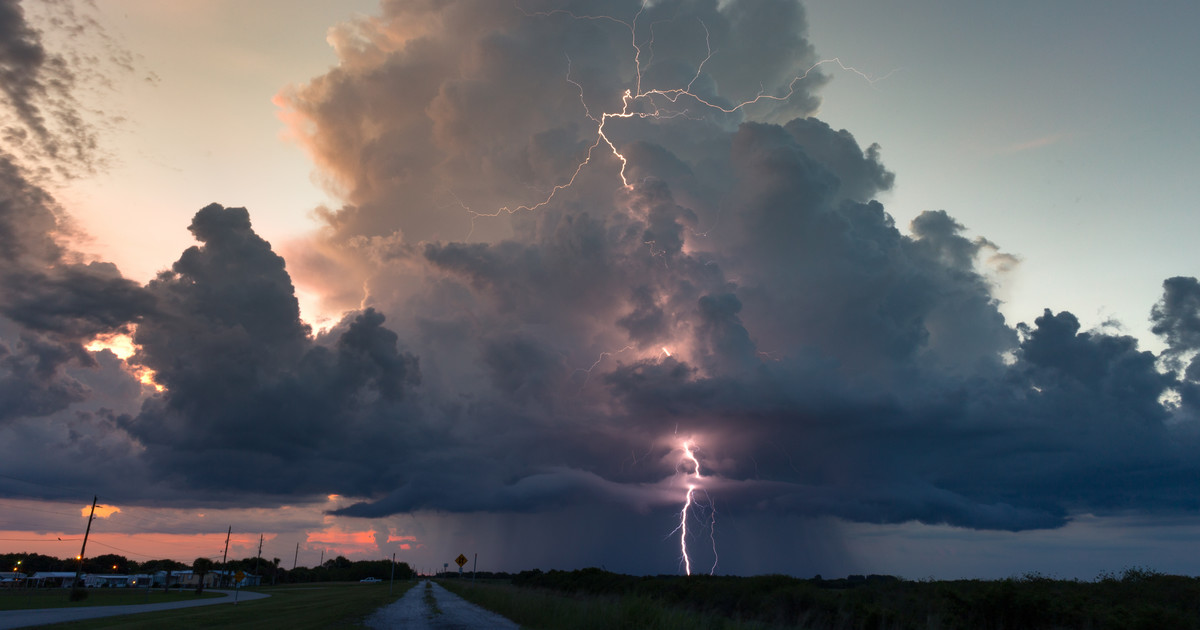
<point>746,289</point>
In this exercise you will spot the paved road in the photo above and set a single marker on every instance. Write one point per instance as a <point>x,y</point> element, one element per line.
<point>414,612</point>
<point>45,616</point>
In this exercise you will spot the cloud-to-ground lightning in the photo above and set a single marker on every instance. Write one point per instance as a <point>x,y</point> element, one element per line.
<point>655,103</point>
<point>694,483</point>
<point>659,103</point>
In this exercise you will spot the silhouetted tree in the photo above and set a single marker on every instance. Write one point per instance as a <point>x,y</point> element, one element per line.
<point>201,566</point>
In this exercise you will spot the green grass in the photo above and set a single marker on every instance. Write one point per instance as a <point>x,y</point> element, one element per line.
<point>30,598</point>
<point>298,606</point>
<point>1137,599</point>
<point>538,609</point>
<point>430,600</point>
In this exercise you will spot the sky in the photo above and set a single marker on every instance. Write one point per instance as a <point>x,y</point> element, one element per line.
<point>733,287</point>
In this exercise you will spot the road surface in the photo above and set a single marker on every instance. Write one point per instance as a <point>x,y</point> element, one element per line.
<point>45,616</point>
<point>447,612</point>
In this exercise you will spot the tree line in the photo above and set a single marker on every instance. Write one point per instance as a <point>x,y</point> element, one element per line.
<point>339,569</point>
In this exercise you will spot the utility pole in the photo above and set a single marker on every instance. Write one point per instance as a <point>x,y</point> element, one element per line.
<point>79,564</point>
<point>225,556</point>
<point>322,558</point>
<point>259,556</point>
<point>296,557</point>
<point>473,567</point>
<point>393,582</point>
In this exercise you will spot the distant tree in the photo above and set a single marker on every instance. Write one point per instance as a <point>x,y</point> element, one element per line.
<point>201,566</point>
<point>108,563</point>
<point>151,566</point>
<point>404,572</point>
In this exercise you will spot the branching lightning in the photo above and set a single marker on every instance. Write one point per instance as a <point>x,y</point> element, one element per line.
<point>641,103</point>
<point>658,103</point>
<point>694,483</point>
<point>599,359</point>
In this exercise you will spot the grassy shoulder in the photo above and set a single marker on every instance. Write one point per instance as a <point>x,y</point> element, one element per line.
<point>541,609</point>
<point>33,598</point>
<point>592,598</point>
<point>293,606</point>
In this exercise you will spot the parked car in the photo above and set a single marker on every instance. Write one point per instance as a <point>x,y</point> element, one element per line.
<point>370,580</point>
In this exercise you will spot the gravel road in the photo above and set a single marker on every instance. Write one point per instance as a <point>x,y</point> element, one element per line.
<point>447,611</point>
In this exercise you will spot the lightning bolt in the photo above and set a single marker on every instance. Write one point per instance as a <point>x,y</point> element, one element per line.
<point>658,103</point>
<point>642,103</point>
<point>599,359</point>
<point>695,480</point>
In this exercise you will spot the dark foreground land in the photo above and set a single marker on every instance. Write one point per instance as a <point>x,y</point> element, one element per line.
<point>592,598</point>
<point>295,606</point>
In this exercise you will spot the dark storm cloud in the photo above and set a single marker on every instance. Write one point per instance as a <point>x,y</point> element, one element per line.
<point>51,303</point>
<point>53,300</point>
<point>248,392</point>
<point>745,289</point>
<point>1176,319</point>
<point>826,361</point>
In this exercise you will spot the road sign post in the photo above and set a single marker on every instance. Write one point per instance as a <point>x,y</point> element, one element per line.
<point>460,561</point>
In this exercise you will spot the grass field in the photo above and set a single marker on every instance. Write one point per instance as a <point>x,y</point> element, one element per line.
<point>29,598</point>
<point>298,606</point>
<point>1137,599</point>
<point>538,609</point>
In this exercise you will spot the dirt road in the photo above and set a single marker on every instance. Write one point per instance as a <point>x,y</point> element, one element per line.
<point>428,606</point>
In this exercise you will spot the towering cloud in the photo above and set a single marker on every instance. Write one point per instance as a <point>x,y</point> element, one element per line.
<point>830,362</point>
<point>249,396</point>
<point>567,246</point>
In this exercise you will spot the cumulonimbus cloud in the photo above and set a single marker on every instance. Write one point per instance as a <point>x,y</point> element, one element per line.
<point>512,343</point>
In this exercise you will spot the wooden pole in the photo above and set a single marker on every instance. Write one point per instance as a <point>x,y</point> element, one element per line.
<point>79,563</point>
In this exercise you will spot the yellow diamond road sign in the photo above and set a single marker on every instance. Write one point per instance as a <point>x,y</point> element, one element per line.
<point>239,576</point>
<point>461,560</point>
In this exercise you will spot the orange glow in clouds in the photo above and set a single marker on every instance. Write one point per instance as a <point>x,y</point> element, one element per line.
<point>121,344</point>
<point>102,511</point>
<point>336,540</point>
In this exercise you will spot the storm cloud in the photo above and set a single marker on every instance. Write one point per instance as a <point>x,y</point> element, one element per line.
<point>539,303</point>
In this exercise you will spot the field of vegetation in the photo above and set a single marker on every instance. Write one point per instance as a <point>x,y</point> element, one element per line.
<point>296,607</point>
<point>1137,599</point>
<point>30,598</point>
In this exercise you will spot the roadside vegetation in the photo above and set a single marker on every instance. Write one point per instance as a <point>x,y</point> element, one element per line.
<point>296,607</point>
<point>592,598</point>
<point>31,598</point>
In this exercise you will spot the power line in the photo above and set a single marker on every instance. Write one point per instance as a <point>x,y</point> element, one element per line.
<point>31,509</point>
<point>38,483</point>
<point>97,542</point>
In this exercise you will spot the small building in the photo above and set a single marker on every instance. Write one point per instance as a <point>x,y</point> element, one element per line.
<point>111,580</point>
<point>226,579</point>
<point>170,578</point>
<point>142,580</point>
<point>63,579</point>
<point>12,579</point>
